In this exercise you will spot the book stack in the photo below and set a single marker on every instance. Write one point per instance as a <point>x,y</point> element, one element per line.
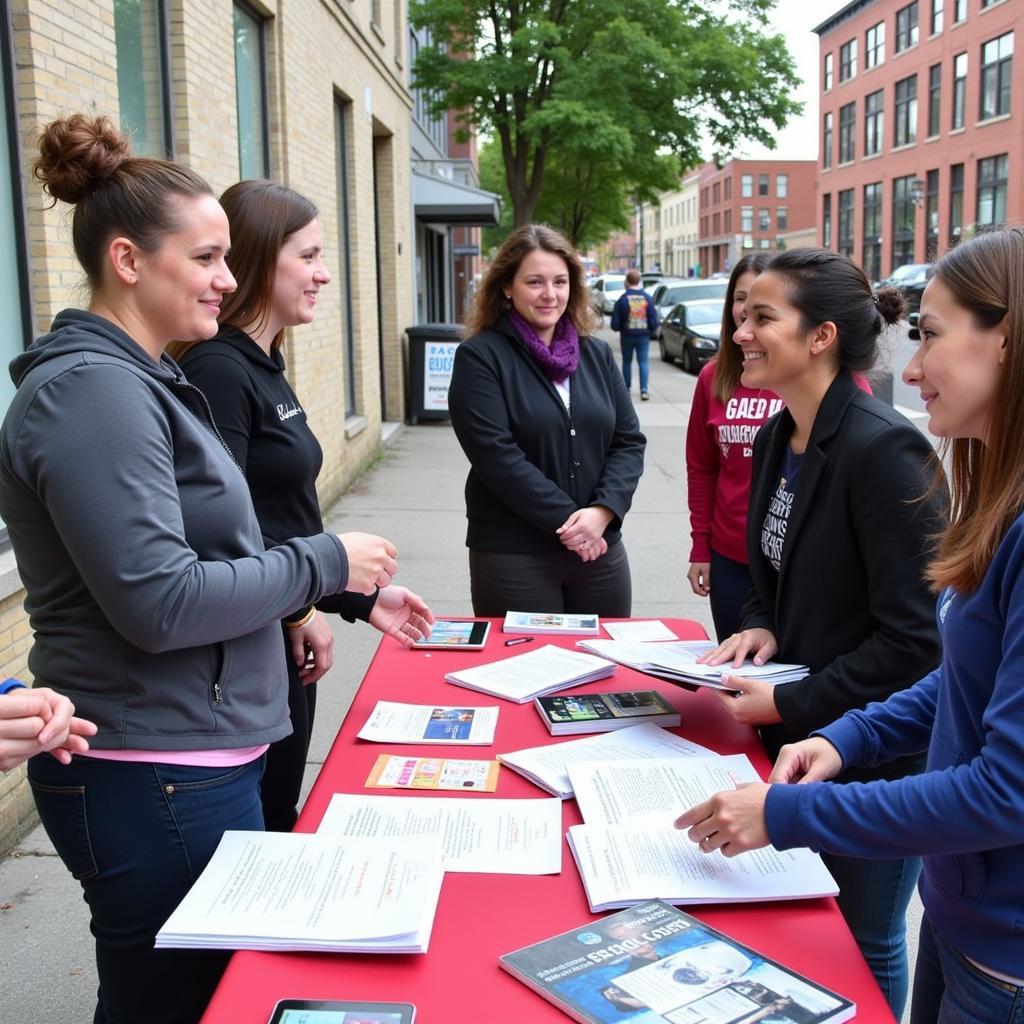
<point>604,712</point>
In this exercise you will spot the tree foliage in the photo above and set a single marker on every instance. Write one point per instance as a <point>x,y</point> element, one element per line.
<point>592,99</point>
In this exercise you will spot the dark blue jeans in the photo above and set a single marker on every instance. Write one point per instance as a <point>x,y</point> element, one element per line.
<point>730,581</point>
<point>136,836</point>
<point>950,990</point>
<point>873,896</point>
<point>638,343</point>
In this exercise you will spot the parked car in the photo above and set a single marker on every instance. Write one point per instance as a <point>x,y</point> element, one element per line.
<point>651,279</point>
<point>909,279</point>
<point>670,293</point>
<point>606,290</point>
<point>691,332</point>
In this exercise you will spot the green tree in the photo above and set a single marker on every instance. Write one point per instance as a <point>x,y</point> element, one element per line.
<point>600,92</point>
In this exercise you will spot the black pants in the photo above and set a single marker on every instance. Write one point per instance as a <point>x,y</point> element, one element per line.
<point>555,582</point>
<point>286,759</point>
<point>730,581</point>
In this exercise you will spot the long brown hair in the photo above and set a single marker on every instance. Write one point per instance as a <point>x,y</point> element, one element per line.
<point>490,303</point>
<point>986,277</point>
<point>729,362</point>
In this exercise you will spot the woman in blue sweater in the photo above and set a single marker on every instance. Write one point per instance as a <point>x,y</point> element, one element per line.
<point>965,813</point>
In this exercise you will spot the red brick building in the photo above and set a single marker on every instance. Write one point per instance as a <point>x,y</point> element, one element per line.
<point>922,127</point>
<point>750,204</point>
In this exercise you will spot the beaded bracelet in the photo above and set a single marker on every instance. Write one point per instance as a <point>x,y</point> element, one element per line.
<point>307,617</point>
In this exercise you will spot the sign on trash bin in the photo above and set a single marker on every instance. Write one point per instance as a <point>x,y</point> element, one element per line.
<point>438,358</point>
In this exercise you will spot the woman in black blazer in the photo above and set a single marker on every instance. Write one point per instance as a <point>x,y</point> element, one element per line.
<point>842,516</point>
<point>553,442</point>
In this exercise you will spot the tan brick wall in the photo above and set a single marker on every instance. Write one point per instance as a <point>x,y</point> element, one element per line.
<point>66,61</point>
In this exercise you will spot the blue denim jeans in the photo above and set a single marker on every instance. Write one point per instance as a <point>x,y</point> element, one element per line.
<point>949,989</point>
<point>136,836</point>
<point>873,896</point>
<point>638,343</point>
<point>730,581</point>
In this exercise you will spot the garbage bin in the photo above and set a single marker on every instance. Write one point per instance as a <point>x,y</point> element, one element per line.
<point>431,351</point>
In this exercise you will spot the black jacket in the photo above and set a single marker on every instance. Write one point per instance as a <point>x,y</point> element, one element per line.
<point>850,600</point>
<point>533,463</point>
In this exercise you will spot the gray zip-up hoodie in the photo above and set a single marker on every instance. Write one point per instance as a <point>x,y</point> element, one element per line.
<point>154,604</point>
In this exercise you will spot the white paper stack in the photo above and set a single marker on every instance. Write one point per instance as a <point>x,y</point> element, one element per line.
<point>677,662</point>
<point>292,891</point>
<point>533,674</point>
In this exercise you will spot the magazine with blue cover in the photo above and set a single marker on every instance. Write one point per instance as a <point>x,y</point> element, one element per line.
<point>653,963</point>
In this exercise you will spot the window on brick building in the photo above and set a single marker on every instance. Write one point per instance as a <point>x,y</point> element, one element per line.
<point>874,122</point>
<point>931,215</point>
<point>728,189</point>
<point>906,27</point>
<point>905,109</point>
<point>343,273</point>
<point>781,186</point>
<point>992,179</point>
<point>716,223</point>
<point>848,60</point>
<point>903,210</point>
<point>728,221</point>
<point>996,75</point>
<point>959,90</point>
<point>716,192</point>
<point>251,92</point>
<point>872,244</point>
<point>764,219</point>
<point>826,74</point>
<point>781,218</point>
<point>847,132</point>
<point>143,84</point>
<point>874,45</point>
<point>762,184</point>
<point>746,218</point>
<point>747,186</point>
<point>826,220</point>
<point>936,26</point>
<point>956,203</point>
<point>934,99</point>
<point>826,141</point>
<point>846,222</point>
<point>959,11</point>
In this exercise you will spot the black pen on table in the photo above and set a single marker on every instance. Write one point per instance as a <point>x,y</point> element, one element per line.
<point>519,640</point>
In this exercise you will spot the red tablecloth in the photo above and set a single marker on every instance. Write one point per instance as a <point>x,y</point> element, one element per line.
<point>479,917</point>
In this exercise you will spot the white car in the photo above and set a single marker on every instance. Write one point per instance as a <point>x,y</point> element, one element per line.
<point>607,289</point>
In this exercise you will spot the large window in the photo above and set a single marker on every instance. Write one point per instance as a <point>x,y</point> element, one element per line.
<point>826,141</point>
<point>956,203</point>
<point>342,112</point>
<point>781,218</point>
<point>251,93</point>
<point>903,210</point>
<point>959,90</point>
<point>959,11</point>
<point>847,132</point>
<point>746,218</point>
<point>143,84</point>
<point>826,220</point>
<point>746,186</point>
<point>872,246</point>
<point>846,222</point>
<point>937,6</point>
<point>931,215</point>
<point>762,185</point>
<point>992,178</point>
<point>826,74</point>
<point>996,72</point>
<point>905,109</point>
<point>906,27</point>
<point>874,45</point>
<point>764,219</point>
<point>847,60</point>
<point>934,99</point>
<point>782,186</point>
<point>874,123</point>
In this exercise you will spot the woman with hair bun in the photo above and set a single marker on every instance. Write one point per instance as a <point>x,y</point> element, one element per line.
<point>277,259</point>
<point>554,446</point>
<point>843,512</point>
<point>153,601</point>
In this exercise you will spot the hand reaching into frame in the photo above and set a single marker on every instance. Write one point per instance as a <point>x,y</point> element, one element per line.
<point>400,613</point>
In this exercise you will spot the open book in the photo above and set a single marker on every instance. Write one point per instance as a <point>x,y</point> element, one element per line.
<point>677,662</point>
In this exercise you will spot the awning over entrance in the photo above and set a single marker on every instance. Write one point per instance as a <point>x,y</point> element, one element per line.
<point>444,202</point>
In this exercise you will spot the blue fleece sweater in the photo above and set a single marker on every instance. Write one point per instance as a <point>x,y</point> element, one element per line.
<point>965,813</point>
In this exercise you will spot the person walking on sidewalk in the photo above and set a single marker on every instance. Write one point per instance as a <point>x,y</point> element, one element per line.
<point>635,317</point>
<point>277,259</point>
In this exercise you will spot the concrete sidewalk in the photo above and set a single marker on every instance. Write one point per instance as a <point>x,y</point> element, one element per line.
<point>413,496</point>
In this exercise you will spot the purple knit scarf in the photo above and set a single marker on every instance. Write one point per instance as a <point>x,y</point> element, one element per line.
<point>561,359</point>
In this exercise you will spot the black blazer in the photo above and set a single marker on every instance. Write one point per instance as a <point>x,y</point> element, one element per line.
<point>532,462</point>
<point>850,599</point>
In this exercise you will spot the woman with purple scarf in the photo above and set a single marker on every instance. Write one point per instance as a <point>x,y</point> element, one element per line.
<point>553,442</point>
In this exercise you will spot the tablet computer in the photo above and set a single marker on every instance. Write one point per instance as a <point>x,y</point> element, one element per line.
<point>456,635</point>
<point>341,1011</point>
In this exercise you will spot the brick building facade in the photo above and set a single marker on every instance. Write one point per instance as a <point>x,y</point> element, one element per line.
<point>922,127</point>
<point>312,94</point>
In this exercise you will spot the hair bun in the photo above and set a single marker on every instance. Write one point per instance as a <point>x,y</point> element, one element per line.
<point>891,304</point>
<point>78,153</point>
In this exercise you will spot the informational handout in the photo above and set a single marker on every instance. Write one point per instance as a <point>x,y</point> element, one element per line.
<point>294,891</point>
<point>640,630</point>
<point>505,837</point>
<point>390,722</point>
<point>393,771</point>
<point>548,766</point>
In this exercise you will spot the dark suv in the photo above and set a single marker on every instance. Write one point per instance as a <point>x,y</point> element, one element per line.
<point>909,279</point>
